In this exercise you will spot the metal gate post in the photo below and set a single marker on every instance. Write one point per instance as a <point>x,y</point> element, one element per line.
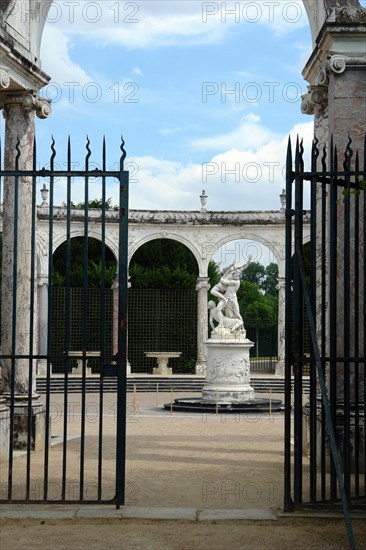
<point>121,356</point>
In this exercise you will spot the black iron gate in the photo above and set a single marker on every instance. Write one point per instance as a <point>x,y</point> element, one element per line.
<point>327,462</point>
<point>63,447</point>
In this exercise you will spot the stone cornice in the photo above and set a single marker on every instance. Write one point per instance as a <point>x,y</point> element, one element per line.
<point>336,39</point>
<point>23,74</point>
<point>174,217</point>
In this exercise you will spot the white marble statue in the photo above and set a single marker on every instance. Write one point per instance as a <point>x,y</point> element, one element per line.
<point>226,313</point>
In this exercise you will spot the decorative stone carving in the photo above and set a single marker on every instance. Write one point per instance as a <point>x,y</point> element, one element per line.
<point>30,101</point>
<point>228,372</point>
<point>234,368</point>
<point>315,101</point>
<point>4,79</point>
<point>350,15</point>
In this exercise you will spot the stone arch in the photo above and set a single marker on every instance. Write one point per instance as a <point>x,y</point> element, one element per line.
<point>248,236</point>
<point>92,234</point>
<point>133,247</point>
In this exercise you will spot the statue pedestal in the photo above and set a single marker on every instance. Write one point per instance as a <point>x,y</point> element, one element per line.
<point>228,369</point>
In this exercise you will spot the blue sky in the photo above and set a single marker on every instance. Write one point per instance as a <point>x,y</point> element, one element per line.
<point>160,73</point>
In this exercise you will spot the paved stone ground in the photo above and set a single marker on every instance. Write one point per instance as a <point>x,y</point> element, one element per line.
<point>174,461</point>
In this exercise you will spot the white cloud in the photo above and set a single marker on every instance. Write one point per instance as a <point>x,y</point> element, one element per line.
<point>236,179</point>
<point>250,134</point>
<point>169,131</point>
<point>56,60</point>
<point>149,23</point>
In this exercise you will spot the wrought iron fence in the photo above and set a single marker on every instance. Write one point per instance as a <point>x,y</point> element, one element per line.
<point>61,470</point>
<point>330,427</point>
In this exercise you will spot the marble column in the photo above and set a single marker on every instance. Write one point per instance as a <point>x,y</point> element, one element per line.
<point>42,324</point>
<point>202,325</point>
<point>19,110</point>
<point>280,365</point>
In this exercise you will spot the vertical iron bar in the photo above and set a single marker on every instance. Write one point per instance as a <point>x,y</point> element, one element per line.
<point>288,503</point>
<point>346,324</point>
<point>49,323</point>
<point>356,347</point>
<point>313,282</point>
<point>298,330</point>
<point>122,334</point>
<point>364,318</point>
<point>85,319</point>
<point>102,329</point>
<point>324,300</point>
<point>333,307</point>
<point>67,321</point>
<point>14,324</point>
<point>31,314</point>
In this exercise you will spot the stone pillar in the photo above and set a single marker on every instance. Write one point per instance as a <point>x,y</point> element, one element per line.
<point>19,109</point>
<point>42,324</point>
<point>280,365</point>
<point>202,325</point>
<point>336,72</point>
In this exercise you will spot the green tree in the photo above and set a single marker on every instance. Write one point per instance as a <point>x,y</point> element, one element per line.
<point>163,263</point>
<point>94,267</point>
<point>93,203</point>
<point>260,314</point>
<point>254,273</point>
<point>269,285</point>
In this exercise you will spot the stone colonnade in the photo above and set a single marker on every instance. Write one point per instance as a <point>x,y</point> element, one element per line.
<point>203,234</point>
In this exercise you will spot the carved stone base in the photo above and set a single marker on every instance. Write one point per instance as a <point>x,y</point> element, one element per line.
<point>42,367</point>
<point>37,423</point>
<point>340,437</point>
<point>201,369</point>
<point>4,431</point>
<point>228,371</point>
<point>280,368</point>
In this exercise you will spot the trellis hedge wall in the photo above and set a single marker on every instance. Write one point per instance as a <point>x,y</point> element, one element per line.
<point>162,320</point>
<point>93,324</point>
<point>158,320</point>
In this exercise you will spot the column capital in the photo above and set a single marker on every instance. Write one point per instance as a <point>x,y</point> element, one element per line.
<point>316,100</point>
<point>29,100</point>
<point>42,280</point>
<point>203,282</point>
<point>337,63</point>
<point>281,283</point>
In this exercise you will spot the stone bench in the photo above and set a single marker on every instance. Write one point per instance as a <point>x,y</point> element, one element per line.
<point>78,370</point>
<point>162,358</point>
